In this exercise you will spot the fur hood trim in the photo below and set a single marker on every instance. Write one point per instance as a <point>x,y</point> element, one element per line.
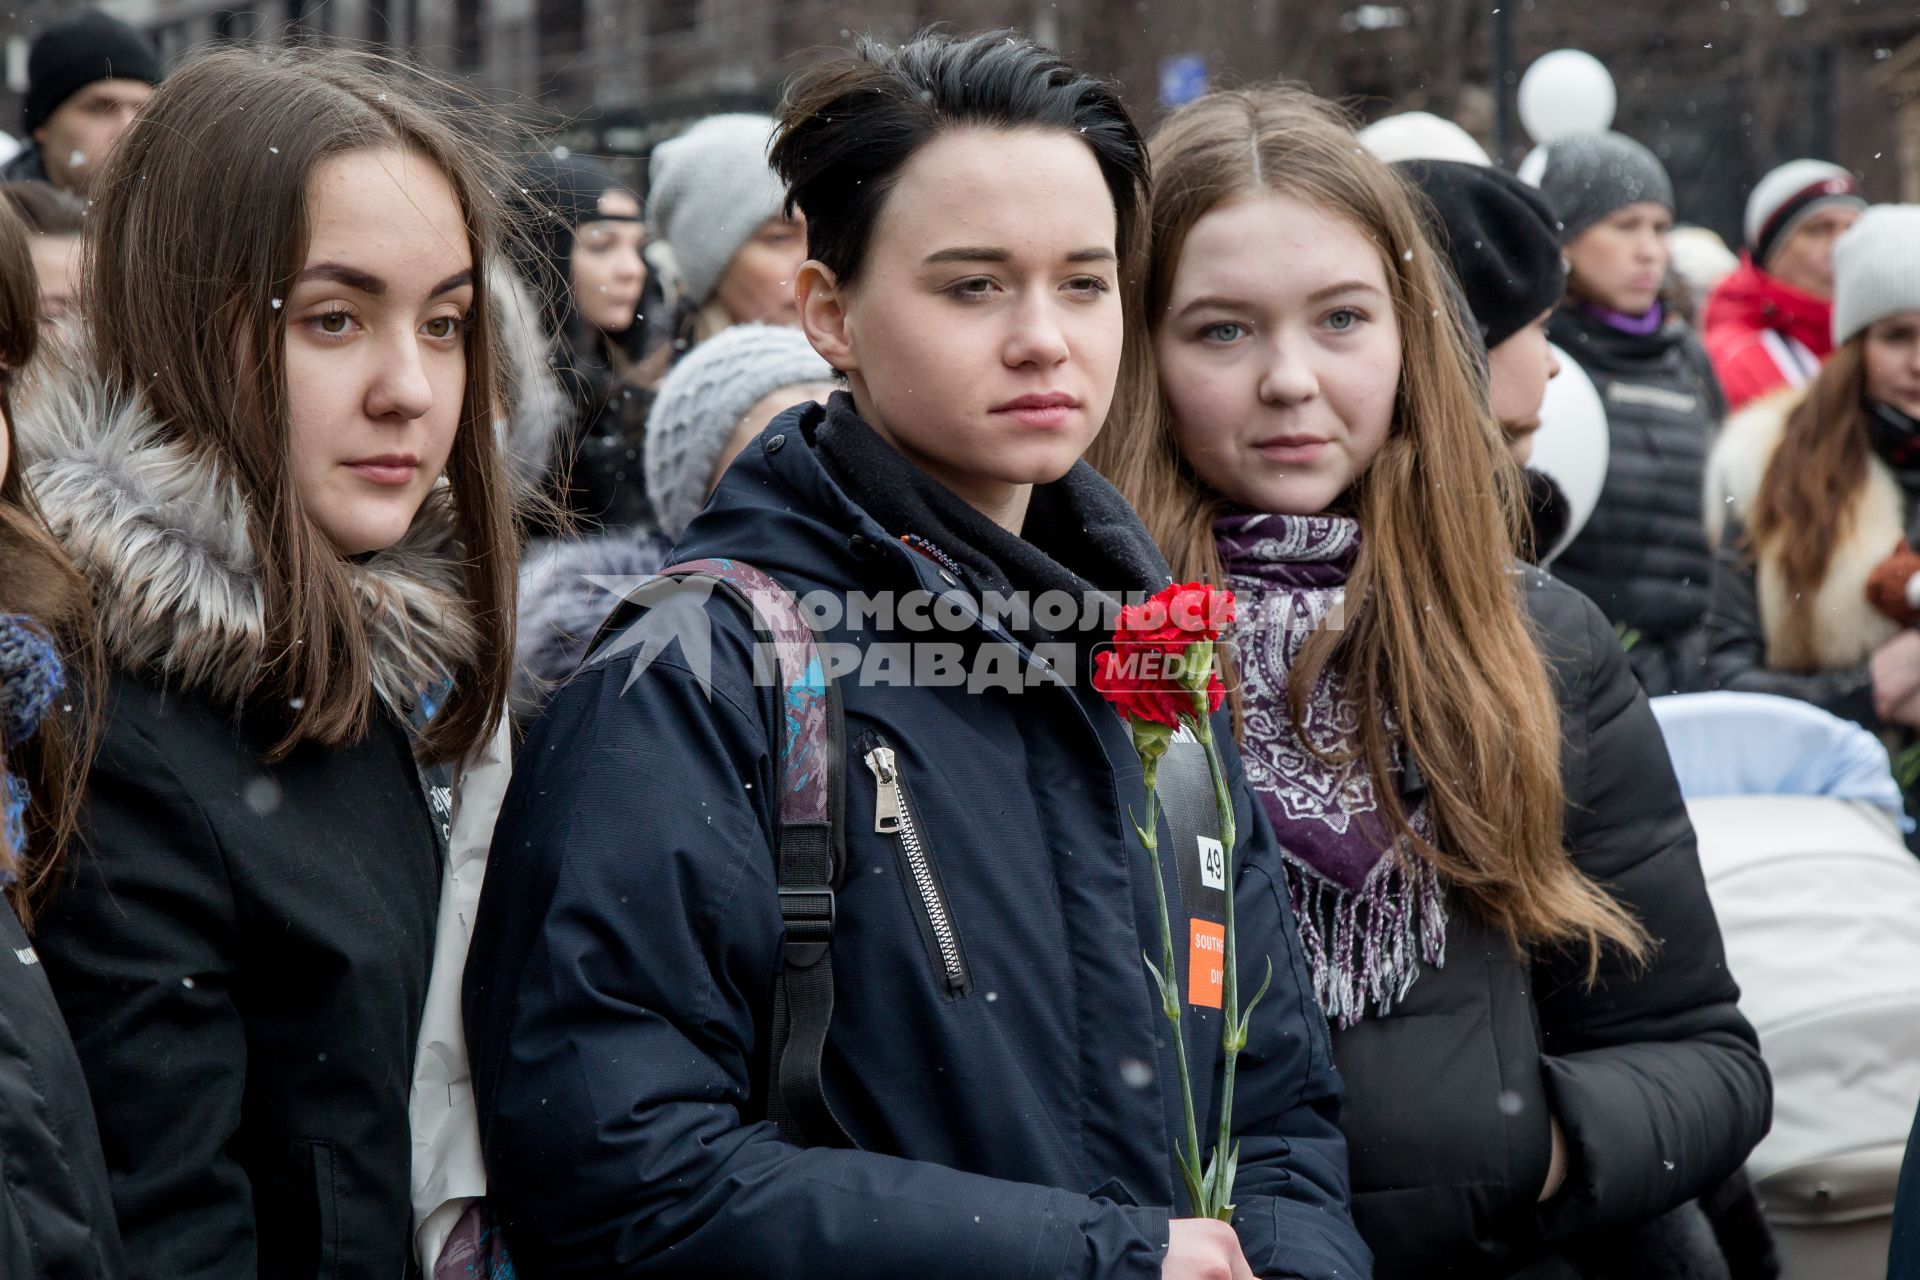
<point>536,413</point>
<point>161,534</point>
<point>1846,626</point>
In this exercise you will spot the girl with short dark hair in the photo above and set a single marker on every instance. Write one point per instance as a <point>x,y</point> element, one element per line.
<point>997,1061</point>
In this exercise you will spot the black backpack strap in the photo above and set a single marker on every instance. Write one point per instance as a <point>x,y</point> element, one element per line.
<point>810,856</point>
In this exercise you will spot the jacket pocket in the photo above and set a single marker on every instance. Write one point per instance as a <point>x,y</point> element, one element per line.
<point>894,815</point>
<point>1524,1105</point>
<point>326,1208</point>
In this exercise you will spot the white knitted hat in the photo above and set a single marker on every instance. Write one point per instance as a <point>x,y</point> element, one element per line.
<point>708,189</point>
<point>1789,196</point>
<point>702,400</point>
<point>1876,268</point>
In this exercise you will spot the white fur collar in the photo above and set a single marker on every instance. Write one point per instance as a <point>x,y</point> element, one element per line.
<point>1846,626</point>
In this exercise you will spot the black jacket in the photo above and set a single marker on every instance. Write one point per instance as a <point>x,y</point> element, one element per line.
<point>243,953</point>
<point>1656,1078</point>
<point>603,476</point>
<point>241,948</point>
<point>1903,1257</point>
<point>56,1213</point>
<point>1737,648</point>
<point>1643,557</point>
<point>1015,1100</point>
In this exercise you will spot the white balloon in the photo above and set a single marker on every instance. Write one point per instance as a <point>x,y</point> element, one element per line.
<point>1573,446</point>
<point>1533,168</point>
<point>1566,92</point>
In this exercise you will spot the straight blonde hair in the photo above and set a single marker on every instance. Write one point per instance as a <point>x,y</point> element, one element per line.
<point>1435,626</point>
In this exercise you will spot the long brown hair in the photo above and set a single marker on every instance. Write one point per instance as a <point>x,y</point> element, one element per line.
<point>1808,492</point>
<point>198,228</point>
<point>36,582</point>
<point>1434,624</point>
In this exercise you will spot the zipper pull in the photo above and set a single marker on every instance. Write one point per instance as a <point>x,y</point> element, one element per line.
<point>887,810</point>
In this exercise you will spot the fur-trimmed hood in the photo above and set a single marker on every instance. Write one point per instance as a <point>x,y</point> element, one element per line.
<point>536,412</point>
<point>161,534</point>
<point>1846,626</point>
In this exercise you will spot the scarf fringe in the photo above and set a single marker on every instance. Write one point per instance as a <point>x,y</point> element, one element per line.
<point>1363,949</point>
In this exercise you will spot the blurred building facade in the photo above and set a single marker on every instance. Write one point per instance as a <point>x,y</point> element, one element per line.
<point>1722,89</point>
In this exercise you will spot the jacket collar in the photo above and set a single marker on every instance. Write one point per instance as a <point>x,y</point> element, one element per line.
<point>1595,343</point>
<point>1750,299</point>
<point>160,532</point>
<point>781,509</point>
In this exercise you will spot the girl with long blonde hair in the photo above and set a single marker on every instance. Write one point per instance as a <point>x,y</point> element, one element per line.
<point>1487,854</point>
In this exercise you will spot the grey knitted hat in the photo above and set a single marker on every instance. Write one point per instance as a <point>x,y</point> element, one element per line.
<point>707,190</point>
<point>1589,175</point>
<point>704,398</point>
<point>1876,268</point>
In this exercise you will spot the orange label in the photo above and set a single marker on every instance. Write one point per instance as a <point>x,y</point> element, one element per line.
<point>1206,963</point>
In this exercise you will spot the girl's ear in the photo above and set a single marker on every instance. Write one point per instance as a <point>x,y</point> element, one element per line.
<point>823,315</point>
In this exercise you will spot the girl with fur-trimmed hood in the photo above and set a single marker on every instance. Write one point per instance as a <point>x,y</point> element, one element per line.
<point>1811,504</point>
<point>275,465</point>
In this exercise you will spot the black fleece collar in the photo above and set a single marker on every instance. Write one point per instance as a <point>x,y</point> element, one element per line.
<point>1080,534</point>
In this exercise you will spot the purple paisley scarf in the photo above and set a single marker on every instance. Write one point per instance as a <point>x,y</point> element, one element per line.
<point>1369,909</point>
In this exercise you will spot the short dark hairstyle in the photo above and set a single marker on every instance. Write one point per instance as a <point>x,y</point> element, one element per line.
<point>46,209</point>
<point>848,126</point>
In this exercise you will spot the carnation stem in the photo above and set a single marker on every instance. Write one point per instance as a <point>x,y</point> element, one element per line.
<point>1166,977</point>
<point>1233,1036</point>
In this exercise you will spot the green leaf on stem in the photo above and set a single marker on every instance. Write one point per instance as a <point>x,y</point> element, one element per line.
<point>1190,1175</point>
<point>1239,1039</point>
<point>1169,1004</point>
<point>1223,1210</point>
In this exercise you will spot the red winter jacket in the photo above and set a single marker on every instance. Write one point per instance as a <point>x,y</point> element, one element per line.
<point>1764,334</point>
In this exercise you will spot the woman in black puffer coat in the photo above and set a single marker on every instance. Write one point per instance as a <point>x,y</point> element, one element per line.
<point>1643,556</point>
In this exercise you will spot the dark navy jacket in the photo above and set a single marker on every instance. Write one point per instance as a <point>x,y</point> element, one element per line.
<point>1017,1123</point>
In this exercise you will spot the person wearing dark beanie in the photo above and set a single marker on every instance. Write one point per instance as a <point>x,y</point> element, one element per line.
<point>581,253</point>
<point>1503,244</point>
<point>87,77</point>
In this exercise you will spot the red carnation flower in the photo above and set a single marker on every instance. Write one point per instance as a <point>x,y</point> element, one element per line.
<point>1176,616</point>
<point>1159,648</point>
<point>1117,676</point>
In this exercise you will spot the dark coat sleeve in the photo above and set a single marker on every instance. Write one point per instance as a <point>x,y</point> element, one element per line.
<point>622,961</point>
<point>1291,1193</point>
<point>1653,1072</point>
<point>1737,644</point>
<point>1903,1258</point>
<point>56,1210</point>
<point>137,947</point>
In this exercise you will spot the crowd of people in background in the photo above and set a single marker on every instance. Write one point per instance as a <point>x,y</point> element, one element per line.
<point>376,912</point>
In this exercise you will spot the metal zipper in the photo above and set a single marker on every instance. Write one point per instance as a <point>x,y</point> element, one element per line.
<point>892,817</point>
